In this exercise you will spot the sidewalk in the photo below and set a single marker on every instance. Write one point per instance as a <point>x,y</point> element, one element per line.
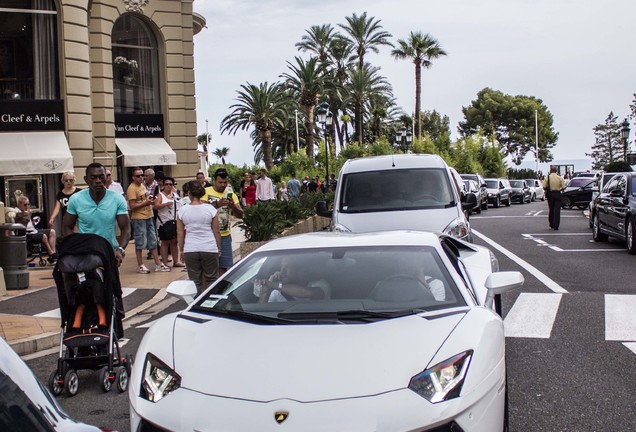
<point>28,334</point>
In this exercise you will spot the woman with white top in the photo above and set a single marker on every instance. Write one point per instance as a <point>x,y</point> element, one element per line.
<point>167,205</point>
<point>199,237</point>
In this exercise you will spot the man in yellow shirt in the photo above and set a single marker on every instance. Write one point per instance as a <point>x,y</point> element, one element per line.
<point>553,185</point>
<point>216,196</point>
<point>143,223</point>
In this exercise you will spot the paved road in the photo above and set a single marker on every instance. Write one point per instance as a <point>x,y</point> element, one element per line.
<point>571,330</point>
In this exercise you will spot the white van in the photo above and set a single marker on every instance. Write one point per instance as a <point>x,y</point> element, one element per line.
<point>402,191</point>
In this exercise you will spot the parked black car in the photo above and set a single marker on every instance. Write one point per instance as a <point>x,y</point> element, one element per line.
<point>520,191</point>
<point>498,191</point>
<point>615,210</point>
<point>601,182</point>
<point>482,195</point>
<point>578,192</point>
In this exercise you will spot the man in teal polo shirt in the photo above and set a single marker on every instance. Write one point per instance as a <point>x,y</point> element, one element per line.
<point>97,210</point>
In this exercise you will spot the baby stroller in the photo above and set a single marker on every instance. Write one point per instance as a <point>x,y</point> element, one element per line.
<point>91,311</point>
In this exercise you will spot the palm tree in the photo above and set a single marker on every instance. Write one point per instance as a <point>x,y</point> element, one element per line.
<point>317,41</point>
<point>263,107</point>
<point>203,140</point>
<point>420,49</point>
<point>221,153</point>
<point>306,81</point>
<point>363,83</point>
<point>365,35</point>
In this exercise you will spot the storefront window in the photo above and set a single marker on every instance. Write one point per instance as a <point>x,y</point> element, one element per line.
<point>135,67</point>
<point>28,50</point>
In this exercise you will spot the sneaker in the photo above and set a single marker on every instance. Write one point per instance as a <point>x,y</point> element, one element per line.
<point>52,258</point>
<point>143,269</point>
<point>162,268</point>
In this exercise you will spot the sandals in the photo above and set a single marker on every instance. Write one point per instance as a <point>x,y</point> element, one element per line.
<point>178,265</point>
<point>143,269</point>
<point>162,268</point>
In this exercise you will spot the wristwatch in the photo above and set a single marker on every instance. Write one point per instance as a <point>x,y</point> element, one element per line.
<point>122,251</point>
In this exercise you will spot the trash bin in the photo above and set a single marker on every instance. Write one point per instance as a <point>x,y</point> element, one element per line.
<point>13,256</point>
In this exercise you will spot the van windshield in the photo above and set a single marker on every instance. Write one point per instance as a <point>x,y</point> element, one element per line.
<point>405,189</point>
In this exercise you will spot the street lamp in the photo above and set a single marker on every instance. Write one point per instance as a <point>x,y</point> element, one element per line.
<point>403,139</point>
<point>631,157</point>
<point>325,118</point>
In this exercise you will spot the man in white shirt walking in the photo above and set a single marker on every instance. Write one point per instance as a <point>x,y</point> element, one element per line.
<point>264,188</point>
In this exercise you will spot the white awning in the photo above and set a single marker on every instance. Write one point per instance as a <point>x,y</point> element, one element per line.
<point>34,153</point>
<point>146,151</point>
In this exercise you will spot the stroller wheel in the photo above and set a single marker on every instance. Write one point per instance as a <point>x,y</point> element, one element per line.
<point>42,262</point>
<point>71,383</point>
<point>56,383</point>
<point>121,379</point>
<point>104,379</point>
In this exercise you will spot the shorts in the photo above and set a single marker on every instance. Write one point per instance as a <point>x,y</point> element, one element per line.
<point>37,237</point>
<point>145,233</point>
<point>226,261</point>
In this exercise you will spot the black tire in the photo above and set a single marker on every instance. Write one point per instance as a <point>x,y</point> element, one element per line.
<point>55,383</point>
<point>506,427</point>
<point>533,198</point>
<point>104,379</point>
<point>484,205</point>
<point>630,242</point>
<point>543,197</point>
<point>497,202</point>
<point>597,235</point>
<point>581,206</point>
<point>508,202</point>
<point>71,383</point>
<point>128,363</point>
<point>121,379</point>
<point>567,203</point>
<point>478,211</point>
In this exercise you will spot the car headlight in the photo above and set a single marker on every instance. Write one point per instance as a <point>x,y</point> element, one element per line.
<point>158,379</point>
<point>340,228</point>
<point>443,381</point>
<point>457,228</point>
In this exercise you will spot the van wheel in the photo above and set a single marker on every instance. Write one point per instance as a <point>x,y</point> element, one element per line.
<point>629,237</point>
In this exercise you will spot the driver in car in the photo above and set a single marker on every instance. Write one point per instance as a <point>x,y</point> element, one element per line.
<point>289,284</point>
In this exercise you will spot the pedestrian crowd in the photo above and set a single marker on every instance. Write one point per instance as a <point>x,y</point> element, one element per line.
<point>190,228</point>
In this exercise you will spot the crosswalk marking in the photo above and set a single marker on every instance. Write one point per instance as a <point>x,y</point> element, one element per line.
<point>532,315</point>
<point>620,320</point>
<point>55,313</point>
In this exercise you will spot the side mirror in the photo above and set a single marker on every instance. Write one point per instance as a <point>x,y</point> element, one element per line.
<point>321,209</point>
<point>185,290</point>
<point>501,282</point>
<point>469,201</point>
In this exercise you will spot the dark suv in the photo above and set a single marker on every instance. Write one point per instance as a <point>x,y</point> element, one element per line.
<point>615,210</point>
<point>483,191</point>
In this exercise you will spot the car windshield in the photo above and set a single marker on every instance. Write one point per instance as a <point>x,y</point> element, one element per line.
<point>516,183</point>
<point>580,182</point>
<point>530,183</point>
<point>492,184</point>
<point>404,189</point>
<point>354,284</point>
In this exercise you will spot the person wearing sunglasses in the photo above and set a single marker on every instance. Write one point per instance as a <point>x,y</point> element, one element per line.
<point>143,222</point>
<point>62,197</point>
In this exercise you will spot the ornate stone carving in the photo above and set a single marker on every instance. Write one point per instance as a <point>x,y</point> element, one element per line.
<point>136,5</point>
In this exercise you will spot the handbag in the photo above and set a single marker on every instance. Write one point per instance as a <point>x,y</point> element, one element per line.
<point>168,229</point>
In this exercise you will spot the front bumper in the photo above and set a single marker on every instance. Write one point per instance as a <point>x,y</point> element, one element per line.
<point>399,410</point>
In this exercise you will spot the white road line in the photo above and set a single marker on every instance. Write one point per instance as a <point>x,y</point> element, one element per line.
<point>620,320</point>
<point>532,316</point>
<point>539,240</point>
<point>552,285</point>
<point>631,346</point>
<point>55,313</point>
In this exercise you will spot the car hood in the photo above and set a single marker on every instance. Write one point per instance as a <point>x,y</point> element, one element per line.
<point>236,359</point>
<point>434,220</point>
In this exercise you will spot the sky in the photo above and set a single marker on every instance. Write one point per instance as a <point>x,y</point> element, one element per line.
<point>577,56</point>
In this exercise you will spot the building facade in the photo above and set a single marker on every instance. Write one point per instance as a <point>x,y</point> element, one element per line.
<point>82,81</point>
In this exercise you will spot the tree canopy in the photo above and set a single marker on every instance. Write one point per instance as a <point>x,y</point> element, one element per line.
<point>510,122</point>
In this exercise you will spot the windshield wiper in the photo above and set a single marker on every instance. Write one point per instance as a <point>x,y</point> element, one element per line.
<point>245,316</point>
<point>349,315</point>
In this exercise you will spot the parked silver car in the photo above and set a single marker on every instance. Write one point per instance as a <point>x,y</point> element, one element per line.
<point>499,191</point>
<point>536,188</point>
